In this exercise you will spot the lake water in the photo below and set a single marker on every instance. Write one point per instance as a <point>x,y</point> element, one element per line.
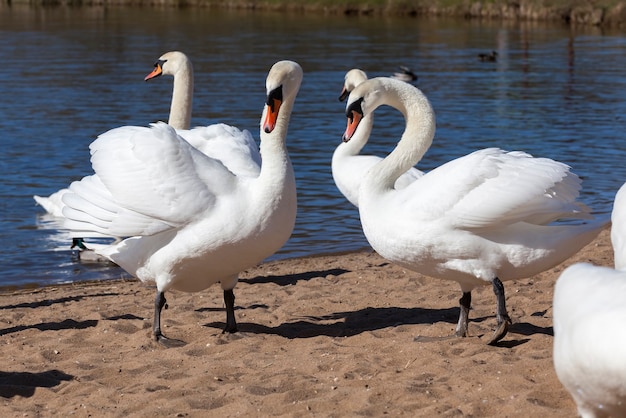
<point>70,74</point>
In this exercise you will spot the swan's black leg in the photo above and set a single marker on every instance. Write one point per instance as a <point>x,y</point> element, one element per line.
<point>159,303</point>
<point>229,301</point>
<point>502,316</point>
<point>465,304</point>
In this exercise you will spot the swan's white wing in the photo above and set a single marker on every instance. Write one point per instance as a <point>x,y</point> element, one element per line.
<point>492,187</point>
<point>90,207</point>
<point>236,149</point>
<point>52,204</point>
<point>147,180</point>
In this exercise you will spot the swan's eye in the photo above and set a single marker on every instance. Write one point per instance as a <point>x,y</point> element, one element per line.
<point>354,107</point>
<point>159,63</point>
<point>275,96</point>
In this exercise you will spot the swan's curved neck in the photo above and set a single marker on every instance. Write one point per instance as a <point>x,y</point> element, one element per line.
<point>182,97</point>
<point>276,139</point>
<point>416,138</point>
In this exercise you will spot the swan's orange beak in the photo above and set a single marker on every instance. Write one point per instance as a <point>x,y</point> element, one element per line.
<point>271,115</point>
<point>354,118</point>
<point>158,70</point>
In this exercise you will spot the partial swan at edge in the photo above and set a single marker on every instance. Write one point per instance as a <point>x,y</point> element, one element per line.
<point>589,335</point>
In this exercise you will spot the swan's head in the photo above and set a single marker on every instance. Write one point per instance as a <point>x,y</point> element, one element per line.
<point>352,79</point>
<point>362,101</point>
<point>354,112</point>
<point>282,85</point>
<point>169,63</point>
<point>372,93</point>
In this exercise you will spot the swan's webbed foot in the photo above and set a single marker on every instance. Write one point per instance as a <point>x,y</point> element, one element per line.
<point>500,332</point>
<point>159,304</point>
<point>502,315</point>
<point>169,342</point>
<point>229,301</point>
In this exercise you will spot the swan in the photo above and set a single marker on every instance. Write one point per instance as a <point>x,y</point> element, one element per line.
<point>589,336</point>
<point>174,63</point>
<point>479,219</point>
<point>235,148</point>
<point>178,65</point>
<point>347,165</point>
<point>189,220</point>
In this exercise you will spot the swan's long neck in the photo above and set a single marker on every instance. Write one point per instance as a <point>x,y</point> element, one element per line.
<point>416,138</point>
<point>276,165</point>
<point>182,98</point>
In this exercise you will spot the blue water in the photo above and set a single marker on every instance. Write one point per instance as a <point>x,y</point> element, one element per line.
<point>70,74</point>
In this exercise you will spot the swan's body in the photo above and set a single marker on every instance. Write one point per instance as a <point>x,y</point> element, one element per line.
<point>236,149</point>
<point>191,222</point>
<point>589,334</point>
<point>479,219</point>
<point>173,63</point>
<point>348,166</point>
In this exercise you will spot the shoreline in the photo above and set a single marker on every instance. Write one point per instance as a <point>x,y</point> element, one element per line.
<point>289,265</point>
<point>601,13</point>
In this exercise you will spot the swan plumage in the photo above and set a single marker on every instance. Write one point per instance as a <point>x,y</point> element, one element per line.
<point>589,337</point>
<point>174,63</point>
<point>52,204</point>
<point>478,219</point>
<point>235,148</point>
<point>348,166</point>
<point>190,221</point>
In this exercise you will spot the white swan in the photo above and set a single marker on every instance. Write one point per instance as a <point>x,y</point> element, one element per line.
<point>479,219</point>
<point>178,65</point>
<point>347,165</point>
<point>174,63</point>
<point>589,336</point>
<point>235,148</point>
<point>190,221</point>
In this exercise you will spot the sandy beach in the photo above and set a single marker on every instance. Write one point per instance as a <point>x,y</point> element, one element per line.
<point>328,336</point>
